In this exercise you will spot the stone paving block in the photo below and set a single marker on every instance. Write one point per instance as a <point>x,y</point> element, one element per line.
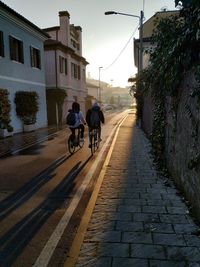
<point>103,236</point>
<point>137,237</point>
<point>129,262</point>
<point>144,251</point>
<point>113,250</point>
<point>139,202</point>
<point>109,195</point>
<point>91,262</point>
<point>137,190</point>
<point>129,226</point>
<point>173,218</point>
<point>106,201</point>
<point>169,239</point>
<point>185,228</point>
<point>129,208</point>
<point>89,250</point>
<point>192,240</point>
<point>194,264</point>
<point>158,227</point>
<point>177,210</point>
<point>146,217</point>
<point>129,195</point>
<point>171,196</point>
<point>183,253</point>
<point>155,191</point>
<point>154,209</point>
<point>151,196</point>
<point>177,203</point>
<point>158,186</point>
<point>160,202</point>
<point>120,216</point>
<point>106,208</point>
<point>159,263</point>
<point>101,225</point>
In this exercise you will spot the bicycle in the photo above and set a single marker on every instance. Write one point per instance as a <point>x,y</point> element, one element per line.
<point>75,141</point>
<point>94,140</point>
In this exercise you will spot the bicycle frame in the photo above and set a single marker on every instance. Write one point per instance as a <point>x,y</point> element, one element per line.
<point>94,140</point>
<point>74,141</point>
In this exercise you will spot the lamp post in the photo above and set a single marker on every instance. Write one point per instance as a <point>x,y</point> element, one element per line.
<point>141,17</point>
<point>99,95</point>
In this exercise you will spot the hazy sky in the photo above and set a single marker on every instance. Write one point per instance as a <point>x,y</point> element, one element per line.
<point>104,37</point>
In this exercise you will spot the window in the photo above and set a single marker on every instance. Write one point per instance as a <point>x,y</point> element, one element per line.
<point>35,58</point>
<point>75,71</point>
<point>1,45</point>
<point>84,76</point>
<point>63,65</point>
<point>16,50</point>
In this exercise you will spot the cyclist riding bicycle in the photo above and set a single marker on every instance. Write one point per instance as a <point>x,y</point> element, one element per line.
<point>76,120</point>
<point>94,117</point>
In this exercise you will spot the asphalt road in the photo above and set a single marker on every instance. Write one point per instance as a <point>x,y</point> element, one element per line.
<point>39,188</point>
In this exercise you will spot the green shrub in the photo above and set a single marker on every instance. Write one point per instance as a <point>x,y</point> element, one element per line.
<point>26,106</point>
<point>5,109</point>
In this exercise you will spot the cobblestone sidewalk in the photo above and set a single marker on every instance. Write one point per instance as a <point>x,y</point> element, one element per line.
<point>139,220</point>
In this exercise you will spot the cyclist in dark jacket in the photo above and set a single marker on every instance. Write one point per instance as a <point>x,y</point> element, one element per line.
<point>95,108</point>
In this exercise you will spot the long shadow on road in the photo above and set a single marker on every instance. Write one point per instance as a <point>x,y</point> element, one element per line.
<point>15,240</point>
<point>28,190</point>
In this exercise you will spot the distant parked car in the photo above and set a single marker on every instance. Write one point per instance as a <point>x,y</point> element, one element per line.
<point>107,107</point>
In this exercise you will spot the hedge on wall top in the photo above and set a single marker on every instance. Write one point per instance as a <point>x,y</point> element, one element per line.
<point>26,106</point>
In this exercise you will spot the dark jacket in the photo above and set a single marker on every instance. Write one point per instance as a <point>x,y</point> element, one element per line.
<point>97,109</point>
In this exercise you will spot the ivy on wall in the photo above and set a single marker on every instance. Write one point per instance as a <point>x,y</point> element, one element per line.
<point>177,40</point>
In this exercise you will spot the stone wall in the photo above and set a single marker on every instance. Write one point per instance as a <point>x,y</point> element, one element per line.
<point>183,140</point>
<point>147,115</point>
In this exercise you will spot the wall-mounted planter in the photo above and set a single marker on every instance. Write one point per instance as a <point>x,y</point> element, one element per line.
<point>29,127</point>
<point>5,133</point>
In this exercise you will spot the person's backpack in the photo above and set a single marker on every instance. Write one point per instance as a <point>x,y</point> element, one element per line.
<point>94,119</point>
<point>71,118</point>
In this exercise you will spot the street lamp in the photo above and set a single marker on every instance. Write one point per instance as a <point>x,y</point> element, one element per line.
<point>99,95</point>
<point>141,17</point>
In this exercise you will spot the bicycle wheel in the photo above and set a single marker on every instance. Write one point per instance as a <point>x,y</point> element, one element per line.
<point>80,141</point>
<point>97,138</point>
<point>92,140</point>
<point>71,146</point>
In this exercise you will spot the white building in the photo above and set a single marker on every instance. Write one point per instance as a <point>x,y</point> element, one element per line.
<point>65,66</point>
<point>22,61</point>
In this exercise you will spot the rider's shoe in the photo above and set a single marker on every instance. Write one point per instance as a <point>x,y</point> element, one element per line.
<point>81,139</point>
<point>89,146</point>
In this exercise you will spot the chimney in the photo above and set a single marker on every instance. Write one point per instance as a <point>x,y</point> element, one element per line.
<point>64,33</point>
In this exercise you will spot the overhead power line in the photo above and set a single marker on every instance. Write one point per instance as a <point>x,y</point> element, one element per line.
<point>122,49</point>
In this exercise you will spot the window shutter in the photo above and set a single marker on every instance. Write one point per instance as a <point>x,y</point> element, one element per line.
<point>21,52</point>
<point>11,47</point>
<point>31,56</point>
<point>1,44</point>
<point>65,66</point>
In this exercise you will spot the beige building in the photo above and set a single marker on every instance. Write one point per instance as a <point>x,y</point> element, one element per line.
<point>148,28</point>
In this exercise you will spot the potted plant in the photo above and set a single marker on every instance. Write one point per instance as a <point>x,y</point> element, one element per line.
<point>27,108</point>
<point>5,128</point>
